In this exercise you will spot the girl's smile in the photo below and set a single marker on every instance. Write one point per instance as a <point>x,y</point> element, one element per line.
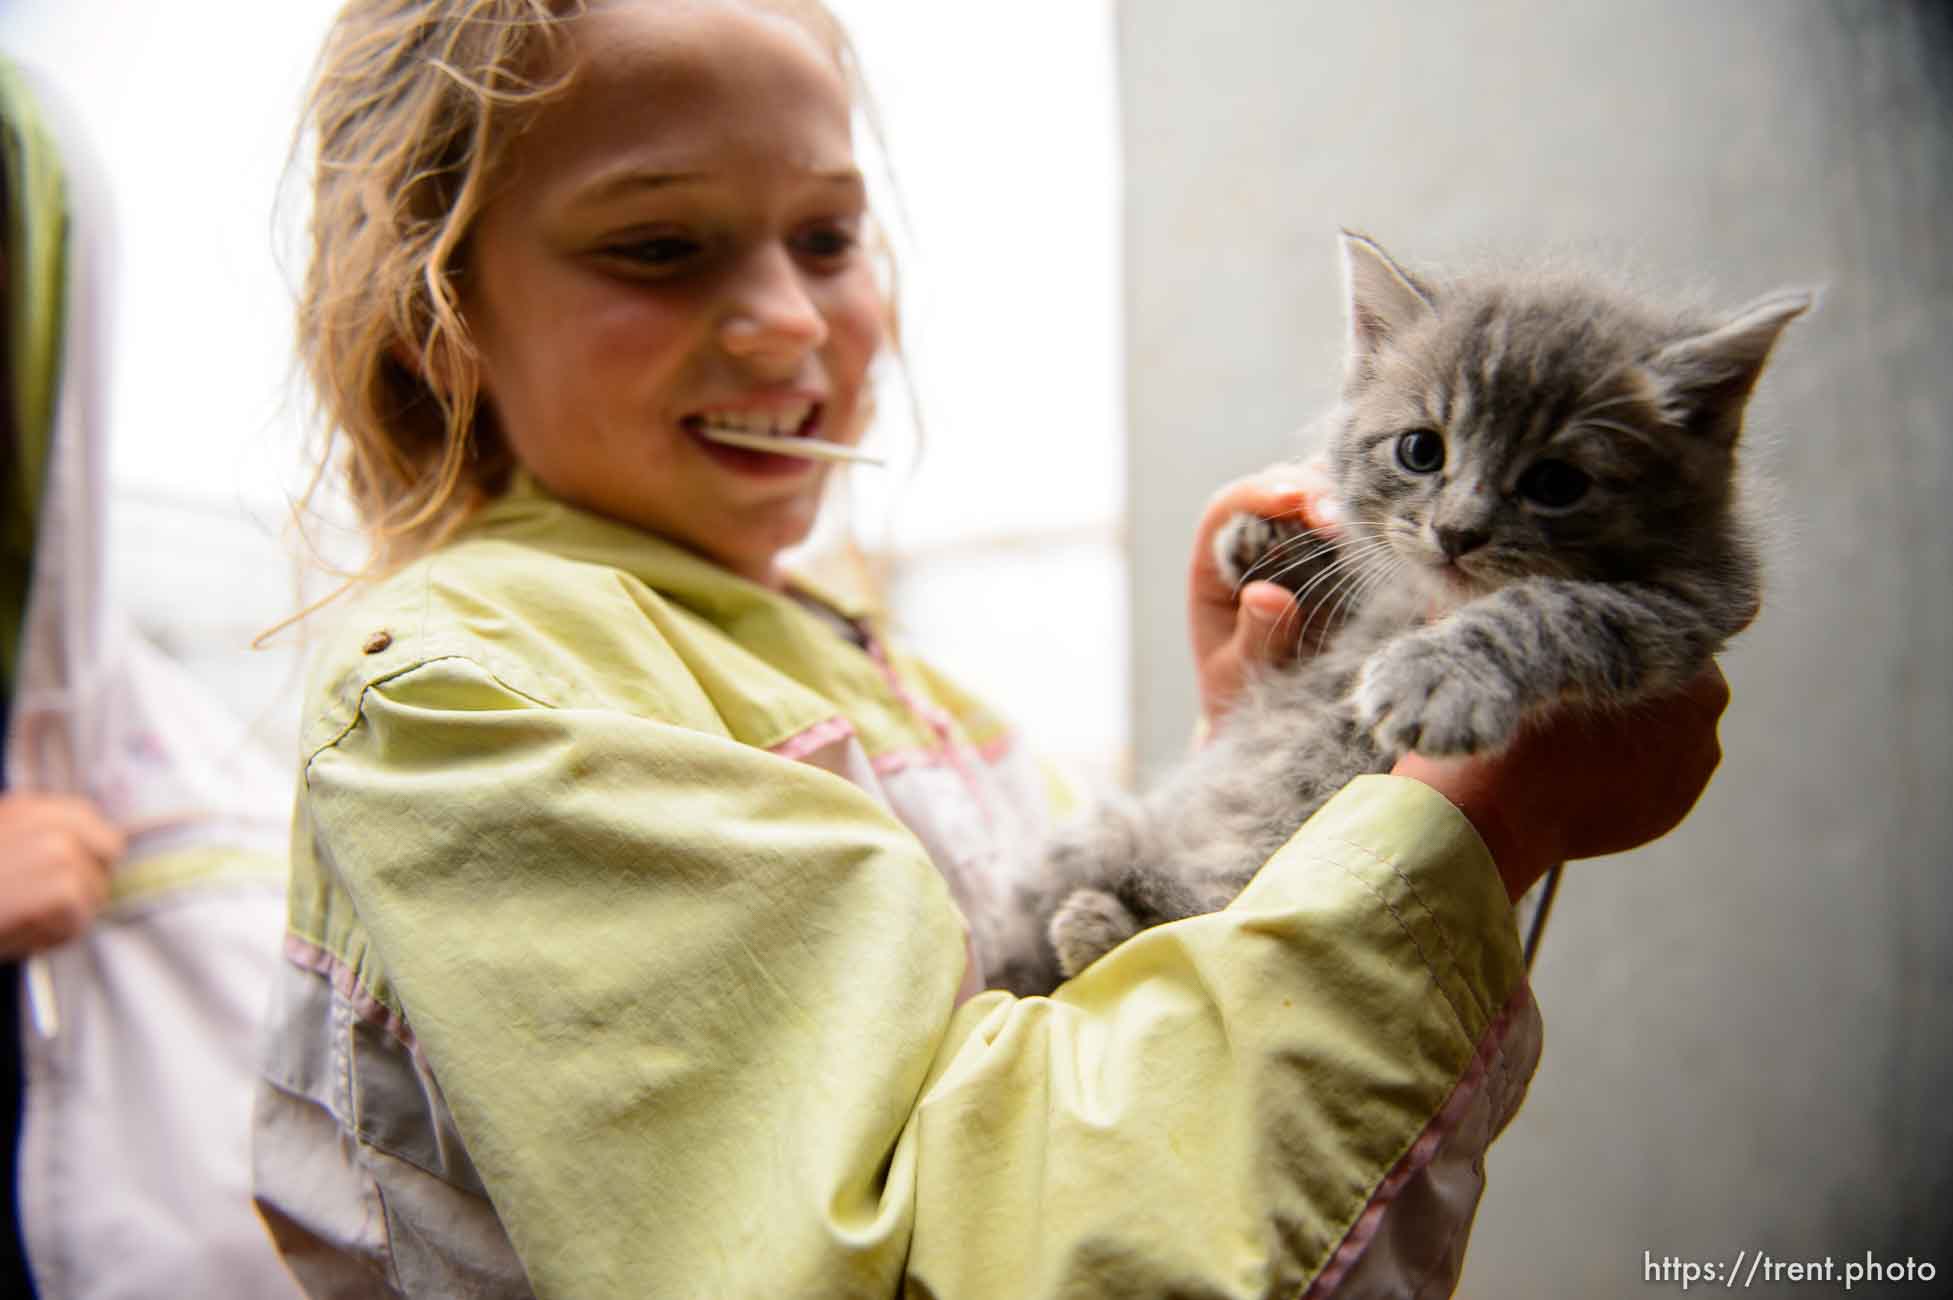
<point>673,245</point>
<point>783,416</point>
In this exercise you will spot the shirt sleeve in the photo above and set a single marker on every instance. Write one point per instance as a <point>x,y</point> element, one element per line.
<point>690,1004</point>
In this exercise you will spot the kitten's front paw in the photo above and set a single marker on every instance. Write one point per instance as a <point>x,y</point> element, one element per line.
<point>1089,924</point>
<point>1247,547</point>
<point>1419,694</point>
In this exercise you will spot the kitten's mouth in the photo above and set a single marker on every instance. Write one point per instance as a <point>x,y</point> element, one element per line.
<point>1452,584</point>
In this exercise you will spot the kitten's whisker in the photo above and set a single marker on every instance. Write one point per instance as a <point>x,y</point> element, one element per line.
<point>1321,542</point>
<point>1297,540</point>
<point>1315,610</point>
<point>1284,554</point>
<point>1354,578</point>
<point>1353,558</point>
<point>1345,555</point>
<point>1387,573</point>
<point>1348,555</point>
<point>1342,565</point>
<point>1346,598</point>
<point>1383,574</point>
<point>1366,550</point>
<point>1332,599</point>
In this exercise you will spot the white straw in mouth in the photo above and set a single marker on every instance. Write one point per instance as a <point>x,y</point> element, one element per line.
<point>805,448</point>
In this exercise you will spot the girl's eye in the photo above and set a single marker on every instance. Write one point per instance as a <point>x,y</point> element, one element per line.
<point>1554,484</point>
<point>1421,451</point>
<point>655,251</point>
<point>826,243</point>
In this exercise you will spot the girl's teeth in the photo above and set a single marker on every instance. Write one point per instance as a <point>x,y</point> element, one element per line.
<point>765,424</point>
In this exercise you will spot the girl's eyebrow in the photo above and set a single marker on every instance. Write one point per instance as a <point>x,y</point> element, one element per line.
<point>847,176</point>
<point>629,182</point>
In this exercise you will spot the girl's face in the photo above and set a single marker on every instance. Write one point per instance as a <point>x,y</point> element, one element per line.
<point>677,238</point>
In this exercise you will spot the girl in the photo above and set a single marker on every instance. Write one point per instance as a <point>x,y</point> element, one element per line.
<point>627,950</point>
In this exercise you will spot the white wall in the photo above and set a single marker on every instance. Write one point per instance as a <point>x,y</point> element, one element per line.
<point>1747,1026</point>
<point>1001,124</point>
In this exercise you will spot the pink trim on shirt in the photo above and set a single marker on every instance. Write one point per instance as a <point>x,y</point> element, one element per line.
<point>896,760</point>
<point>817,737</point>
<point>1490,1045</point>
<point>948,751</point>
<point>307,955</point>
<point>995,749</point>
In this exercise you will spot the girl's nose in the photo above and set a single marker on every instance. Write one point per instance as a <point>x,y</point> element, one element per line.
<point>770,318</point>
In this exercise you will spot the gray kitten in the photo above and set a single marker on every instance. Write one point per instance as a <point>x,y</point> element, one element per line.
<point>1538,479</point>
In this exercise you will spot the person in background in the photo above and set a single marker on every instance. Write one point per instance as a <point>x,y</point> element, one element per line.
<point>139,861</point>
<point>55,850</point>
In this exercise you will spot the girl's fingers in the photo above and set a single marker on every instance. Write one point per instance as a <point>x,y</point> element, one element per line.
<point>1297,489</point>
<point>1266,628</point>
<point>1263,631</point>
<point>1229,629</point>
<point>1299,493</point>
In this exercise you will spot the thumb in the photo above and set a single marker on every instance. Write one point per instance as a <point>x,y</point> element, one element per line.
<point>1266,629</point>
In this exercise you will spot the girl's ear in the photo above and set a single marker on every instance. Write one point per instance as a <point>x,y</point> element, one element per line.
<point>1705,380</point>
<point>1382,298</point>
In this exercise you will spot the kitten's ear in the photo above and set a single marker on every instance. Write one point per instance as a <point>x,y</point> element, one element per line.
<point>1383,298</point>
<point>1706,380</point>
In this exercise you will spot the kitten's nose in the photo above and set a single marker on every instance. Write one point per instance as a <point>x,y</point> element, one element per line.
<point>1455,542</point>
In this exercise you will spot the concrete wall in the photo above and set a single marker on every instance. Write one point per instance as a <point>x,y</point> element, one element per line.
<point>1748,1023</point>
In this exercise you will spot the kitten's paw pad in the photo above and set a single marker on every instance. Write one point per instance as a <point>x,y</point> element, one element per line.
<point>1089,924</point>
<point>1420,695</point>
<point>1248,548</point>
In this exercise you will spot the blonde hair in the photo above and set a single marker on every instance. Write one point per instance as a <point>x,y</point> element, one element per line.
<point>412,106</point>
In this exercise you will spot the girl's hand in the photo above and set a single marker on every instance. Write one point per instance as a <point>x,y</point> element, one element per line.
<point>1579,784</point>
<point>55,855</point>
<point>1232,631</point>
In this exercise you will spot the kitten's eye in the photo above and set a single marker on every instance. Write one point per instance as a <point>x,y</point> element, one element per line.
<point>1554,484</point>
<point>1421,451</point>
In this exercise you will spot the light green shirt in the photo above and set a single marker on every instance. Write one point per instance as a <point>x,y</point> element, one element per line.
<point>691,1002</point>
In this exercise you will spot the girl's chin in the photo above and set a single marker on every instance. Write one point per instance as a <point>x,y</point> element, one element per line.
<point>757,555</point>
